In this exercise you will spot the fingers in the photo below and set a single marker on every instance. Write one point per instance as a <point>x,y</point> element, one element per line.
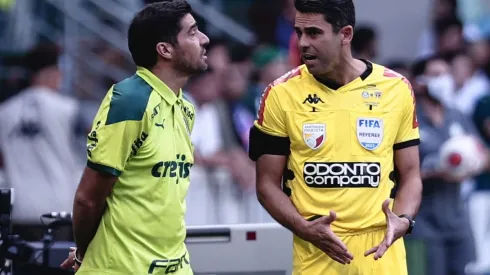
<point>371,251</point>
<point>66,264</point>
<point>336,256</point>
<point>378,250</point>
<point>338,245</point>
<point>327,219</point>
<point>381,251</point>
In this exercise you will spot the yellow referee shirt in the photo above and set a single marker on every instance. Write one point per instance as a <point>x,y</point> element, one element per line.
<point>141,134</point>
<point>339,142</point>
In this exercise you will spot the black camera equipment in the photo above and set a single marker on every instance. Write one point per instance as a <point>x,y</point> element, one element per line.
<point>18,257</point>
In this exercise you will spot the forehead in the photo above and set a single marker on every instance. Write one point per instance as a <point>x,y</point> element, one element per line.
<point>308,20</point>
<point>187,21</point>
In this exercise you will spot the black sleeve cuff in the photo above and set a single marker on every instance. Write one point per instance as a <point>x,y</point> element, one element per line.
<point>262,144</point>
<point>104,169</point>
<point>406,144</point>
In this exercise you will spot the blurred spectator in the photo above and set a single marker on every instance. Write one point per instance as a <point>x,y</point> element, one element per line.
<point>440,9</point>
<point>442,221</point>
<point>365,43</point>
<point>479,202</point>
<point>270,63</point>
<point>37,143</point>
<point>236,121</point>
<point>448,32</point>
<point>479,52</point>
<point>218,55</point>
<point>470,84</point>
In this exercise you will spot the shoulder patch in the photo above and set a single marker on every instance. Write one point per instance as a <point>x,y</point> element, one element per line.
<point>129,100</point>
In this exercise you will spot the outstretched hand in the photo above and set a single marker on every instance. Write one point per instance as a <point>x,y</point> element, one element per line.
<point>320,234</point>
<point>396,228</point>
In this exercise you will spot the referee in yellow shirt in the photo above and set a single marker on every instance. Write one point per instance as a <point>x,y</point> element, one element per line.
<point>326,142</point>
<point>128,214</point>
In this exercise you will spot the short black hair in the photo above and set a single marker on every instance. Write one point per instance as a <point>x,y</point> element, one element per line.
<point>157,22</point>
<point>444,24</point>
<point>362,36</point>
<point>338,13</point>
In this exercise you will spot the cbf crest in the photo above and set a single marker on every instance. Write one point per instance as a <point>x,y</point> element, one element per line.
<point>370,132</point>
<point>314,134</point>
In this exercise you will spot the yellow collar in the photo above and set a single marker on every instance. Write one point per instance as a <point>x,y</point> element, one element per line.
<point>158,85</point>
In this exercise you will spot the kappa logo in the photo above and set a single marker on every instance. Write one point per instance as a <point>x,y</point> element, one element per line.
<point>314,134</point>
<point>370,132</point>
<point>313,99</point>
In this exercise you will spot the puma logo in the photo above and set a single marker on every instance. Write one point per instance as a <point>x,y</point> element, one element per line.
<point>161,125</point>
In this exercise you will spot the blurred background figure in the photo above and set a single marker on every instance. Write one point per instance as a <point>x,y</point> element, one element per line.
<point>479,203</point>
<point>48,98</point>
<point>37,143</point>
<point>365,43</point>
<point>442,221</point>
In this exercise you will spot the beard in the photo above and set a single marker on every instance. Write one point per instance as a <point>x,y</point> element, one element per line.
<point>184,65</point>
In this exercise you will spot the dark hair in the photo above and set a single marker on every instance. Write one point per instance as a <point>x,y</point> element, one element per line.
<point>157,22</point>
<point>444,24</point>
<point>42,56</point>
<point>362,36</point>
<point>338,13</point>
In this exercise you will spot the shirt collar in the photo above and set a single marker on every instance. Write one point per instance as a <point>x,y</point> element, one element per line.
<point>158,85</point>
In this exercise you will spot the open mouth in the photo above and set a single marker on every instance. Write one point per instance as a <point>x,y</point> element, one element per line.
<point>309,57</point>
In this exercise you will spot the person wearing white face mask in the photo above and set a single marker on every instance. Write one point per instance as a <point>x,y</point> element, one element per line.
<point>443,223</point>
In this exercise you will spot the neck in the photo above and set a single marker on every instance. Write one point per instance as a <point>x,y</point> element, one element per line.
<point>346,70</point>
<point>173,79</point>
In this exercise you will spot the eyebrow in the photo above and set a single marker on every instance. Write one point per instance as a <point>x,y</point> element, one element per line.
<point>193,26</point>
<point>309,28</point>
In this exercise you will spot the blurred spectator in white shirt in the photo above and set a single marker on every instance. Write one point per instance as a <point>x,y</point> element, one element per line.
<point>37,143</point>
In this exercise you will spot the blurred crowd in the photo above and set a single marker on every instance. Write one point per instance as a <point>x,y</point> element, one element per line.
<point>43,128</point>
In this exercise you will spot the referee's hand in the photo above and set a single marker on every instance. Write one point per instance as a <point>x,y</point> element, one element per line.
<point>320,234</point>
<point>395,229</point>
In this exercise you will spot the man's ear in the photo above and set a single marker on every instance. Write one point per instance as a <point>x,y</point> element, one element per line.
<point>165,50</point>
<point>346,34</point>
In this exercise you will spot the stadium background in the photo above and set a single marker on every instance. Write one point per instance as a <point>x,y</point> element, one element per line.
<point>251,46</point>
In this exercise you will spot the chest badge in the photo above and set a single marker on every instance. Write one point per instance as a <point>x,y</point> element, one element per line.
<point>370,132</point>
<point>314,134</point>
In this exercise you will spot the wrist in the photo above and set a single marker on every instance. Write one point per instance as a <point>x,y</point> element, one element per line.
<point>408,222</point>
<point>301,228</point>
<point>78,257</point>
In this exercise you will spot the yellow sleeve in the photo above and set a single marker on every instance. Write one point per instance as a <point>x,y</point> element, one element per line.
<point>271,117</point>
<point>117,134</point>
<point>408,131</point>
<point>268,136</point>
